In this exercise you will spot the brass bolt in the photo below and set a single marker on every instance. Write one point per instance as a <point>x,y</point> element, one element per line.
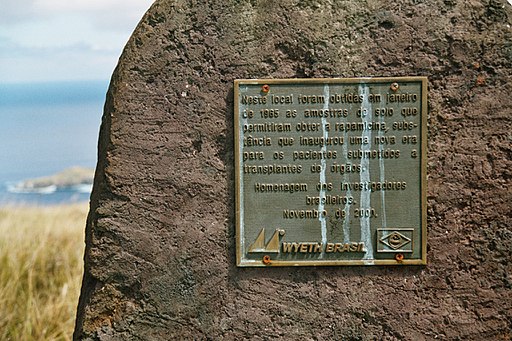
<point>266,260</point>
<point>399,257</point>
<point>265,88</point>
<point>394,86</point>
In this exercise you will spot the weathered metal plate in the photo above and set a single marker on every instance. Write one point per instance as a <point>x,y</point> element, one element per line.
<point>331,171</point>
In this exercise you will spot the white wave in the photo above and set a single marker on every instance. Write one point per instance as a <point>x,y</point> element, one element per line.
<point>83,188</point>
<point>17,188</point>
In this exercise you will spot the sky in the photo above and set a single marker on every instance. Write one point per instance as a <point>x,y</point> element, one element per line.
<point>64,40</point>
<point>56,40</point>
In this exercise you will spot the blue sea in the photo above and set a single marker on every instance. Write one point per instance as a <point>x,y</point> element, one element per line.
<point>44,129</point>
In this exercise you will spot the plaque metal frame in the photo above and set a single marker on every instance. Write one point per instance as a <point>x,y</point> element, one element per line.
<point>266,260</point>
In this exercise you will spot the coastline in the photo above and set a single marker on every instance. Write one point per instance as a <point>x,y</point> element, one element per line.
<point>71,185</point>
<point>57,198</point>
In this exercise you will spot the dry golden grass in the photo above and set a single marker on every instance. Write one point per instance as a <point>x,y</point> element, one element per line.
<point>41,251</point>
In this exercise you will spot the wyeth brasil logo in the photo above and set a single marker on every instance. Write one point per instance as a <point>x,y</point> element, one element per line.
<point>276,245</point>
<point>388,240</point>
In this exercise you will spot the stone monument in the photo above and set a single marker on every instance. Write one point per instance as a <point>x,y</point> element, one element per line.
<point>161,248</point>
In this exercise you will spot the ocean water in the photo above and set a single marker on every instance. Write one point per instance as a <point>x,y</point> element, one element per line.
<point>44,129</point>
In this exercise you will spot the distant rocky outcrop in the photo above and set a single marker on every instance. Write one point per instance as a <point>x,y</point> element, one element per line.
<point>69,178</point>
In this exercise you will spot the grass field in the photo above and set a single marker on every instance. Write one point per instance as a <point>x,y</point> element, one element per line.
<point>41,251</point>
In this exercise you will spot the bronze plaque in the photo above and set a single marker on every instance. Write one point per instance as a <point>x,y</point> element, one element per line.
<point>331,171</point>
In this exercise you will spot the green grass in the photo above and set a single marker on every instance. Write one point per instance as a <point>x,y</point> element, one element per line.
<point>41,252</point>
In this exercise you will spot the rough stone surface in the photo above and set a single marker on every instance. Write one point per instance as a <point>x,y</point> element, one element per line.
<point>160,234</point>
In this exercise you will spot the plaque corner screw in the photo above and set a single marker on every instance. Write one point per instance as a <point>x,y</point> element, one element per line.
<point>266,260</point>
<point>399,257</point>
<point>394,86</point>
<point>265,88</point>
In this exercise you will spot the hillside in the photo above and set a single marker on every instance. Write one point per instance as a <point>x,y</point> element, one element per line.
<point>70,177</point>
